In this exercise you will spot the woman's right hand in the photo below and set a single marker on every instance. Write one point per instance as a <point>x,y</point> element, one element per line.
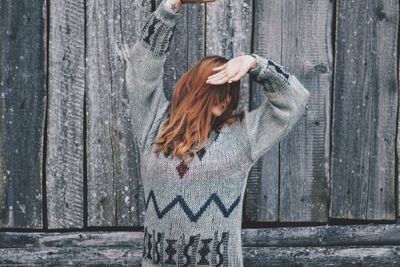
<point>233,70</point>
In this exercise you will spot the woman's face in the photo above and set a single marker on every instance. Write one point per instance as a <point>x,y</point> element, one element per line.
<point>219,109</point>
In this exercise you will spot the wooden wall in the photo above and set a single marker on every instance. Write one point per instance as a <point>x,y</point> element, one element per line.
<point>67,156</point>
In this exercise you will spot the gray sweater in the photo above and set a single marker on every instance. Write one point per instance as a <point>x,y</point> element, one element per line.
<point>194,211</point>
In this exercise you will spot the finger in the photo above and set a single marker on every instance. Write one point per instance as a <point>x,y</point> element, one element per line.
<point>216,74</point>
<point>236,77</point>
<point>222,81</point>
<point>219,67</point>
<point>225,77</point>
<point>219,81</point>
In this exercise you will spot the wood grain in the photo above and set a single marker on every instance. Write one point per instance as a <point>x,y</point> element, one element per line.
<point>307,53</point>
<point>65,141</point>
<point>348,245</point>
<point>289,183</point>
<point>364,111</point>
<point>23,95</point>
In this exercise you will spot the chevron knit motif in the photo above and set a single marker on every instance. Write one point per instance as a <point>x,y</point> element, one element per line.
<point>191,215</point>
<point>193,211</point>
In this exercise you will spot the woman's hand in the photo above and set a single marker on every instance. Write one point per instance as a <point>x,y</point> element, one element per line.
<point>233,70</point>
<point>175,5</point>
<point>172,5</point>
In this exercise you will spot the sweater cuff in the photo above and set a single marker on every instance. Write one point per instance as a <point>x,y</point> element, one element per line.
<point>256,71</point>
<point>269,72</point>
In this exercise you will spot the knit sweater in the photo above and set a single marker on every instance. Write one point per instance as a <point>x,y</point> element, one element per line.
<point>193,211</point>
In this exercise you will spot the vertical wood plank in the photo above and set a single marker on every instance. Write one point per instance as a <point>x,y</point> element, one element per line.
<point>262,192</point>
<point>397,130</point>
<point>101,177</point>
<point>290,181</point>
<point>64,165</point>
<point>365,107</point>
<point>128,18</point>
<point>195,37</point>
<point>187,44</point>
<point>22,108</point>
<point>115,194</point>
<point>307,54</point>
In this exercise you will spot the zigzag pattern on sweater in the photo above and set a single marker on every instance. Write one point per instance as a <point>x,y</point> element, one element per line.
<point>192,216</point>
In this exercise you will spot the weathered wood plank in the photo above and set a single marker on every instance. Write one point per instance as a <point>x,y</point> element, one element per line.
<point>364,112</point>
<point>290,183</point>
<point>253,257</point>
<point>64,164</point>
<point>397,54</point>
<point>187,44</point>
<point>387,256</point>
<point>262,192</point>
<point>77,248</point>
<point>126,27</point>
<point>327,235</point>
<point>114,186</point>
<point>370,245</point>
<point>307,53</point>
<point>23,92</point>
<point>56,256</point>
<point>195,37</point>
<point>101,188</point>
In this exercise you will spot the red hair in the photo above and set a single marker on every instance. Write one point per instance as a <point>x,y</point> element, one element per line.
<point>190,118</point>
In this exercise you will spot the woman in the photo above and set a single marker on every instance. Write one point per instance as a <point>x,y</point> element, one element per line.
<point>194,189</point>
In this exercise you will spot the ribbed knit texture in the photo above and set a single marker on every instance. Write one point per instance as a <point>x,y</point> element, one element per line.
<point>194,211</point>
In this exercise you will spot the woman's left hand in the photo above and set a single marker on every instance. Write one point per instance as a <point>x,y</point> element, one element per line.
<point>233,70</point>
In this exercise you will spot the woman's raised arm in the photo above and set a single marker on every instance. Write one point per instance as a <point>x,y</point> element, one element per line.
<point>145,67</point>
<point>276,116</point>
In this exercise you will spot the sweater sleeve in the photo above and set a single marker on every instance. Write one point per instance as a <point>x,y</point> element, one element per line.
<point>145,68</point>
<point>276,116</point>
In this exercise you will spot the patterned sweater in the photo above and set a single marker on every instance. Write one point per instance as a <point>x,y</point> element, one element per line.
<point>194,212</point>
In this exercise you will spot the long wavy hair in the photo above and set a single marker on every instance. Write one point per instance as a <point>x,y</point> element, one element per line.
<point>190,119</point>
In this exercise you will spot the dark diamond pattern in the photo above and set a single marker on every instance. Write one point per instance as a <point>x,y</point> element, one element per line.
<point>201,153</point>
<point>182,168</point>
